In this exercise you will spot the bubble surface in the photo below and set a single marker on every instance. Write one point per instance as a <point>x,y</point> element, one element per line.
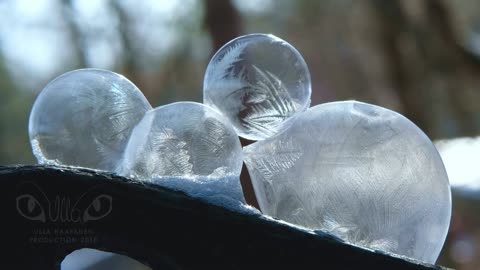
<point>182,139</point>
<point>361,172</point>
<point>84,118</point>
<point>257,81</point>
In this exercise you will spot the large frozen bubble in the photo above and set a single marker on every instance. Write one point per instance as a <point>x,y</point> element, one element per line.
<point>182,139</point>
<point>257,81</point>
<point>359,171</point>
<point>84,118</point>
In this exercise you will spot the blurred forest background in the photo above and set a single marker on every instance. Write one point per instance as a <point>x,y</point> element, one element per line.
<point>420,58</point>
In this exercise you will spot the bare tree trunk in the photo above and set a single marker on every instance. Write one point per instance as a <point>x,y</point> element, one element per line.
<point>222,21</point>
<point>394,25</point>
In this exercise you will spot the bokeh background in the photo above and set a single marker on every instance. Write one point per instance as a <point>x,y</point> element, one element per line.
<point>418,57</point>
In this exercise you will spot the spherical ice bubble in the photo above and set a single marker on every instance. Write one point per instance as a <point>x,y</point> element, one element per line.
<point>359,171</point>
<point>257,81</point>
<point>84,118</point>
<point>182,139</point>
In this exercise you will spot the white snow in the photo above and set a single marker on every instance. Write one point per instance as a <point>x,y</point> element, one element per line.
<point>224,191</point>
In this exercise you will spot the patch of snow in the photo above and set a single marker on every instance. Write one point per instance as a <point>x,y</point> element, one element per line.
<point>224,191</point>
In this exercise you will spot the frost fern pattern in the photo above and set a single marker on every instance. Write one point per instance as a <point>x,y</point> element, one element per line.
<point>175,158</point>
<point>257,82</point>
<point>264,98</point>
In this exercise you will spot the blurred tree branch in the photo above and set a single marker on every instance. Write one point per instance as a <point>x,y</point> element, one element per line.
<point>130,66</point>
<point>75,33</point>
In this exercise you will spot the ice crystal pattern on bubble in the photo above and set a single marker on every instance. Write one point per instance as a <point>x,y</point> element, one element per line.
<point>174,156</point>
<point>361,172</point>
<point>267,104</point>
<point>255,99</point>
<point>264,104</point>
<point>84,118</point>
<point>182,139</point>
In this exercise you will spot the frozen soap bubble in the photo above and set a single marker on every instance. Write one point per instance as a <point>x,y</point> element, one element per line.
<point>257,81</point>
<point>84,118</point>
<point>182,139</point>
<point>359,171</point>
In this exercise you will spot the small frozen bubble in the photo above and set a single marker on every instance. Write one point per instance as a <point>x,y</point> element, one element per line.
<point>84,118</point>
<point>257,81</point>
<point>359,171</point>
<point>182,139</point>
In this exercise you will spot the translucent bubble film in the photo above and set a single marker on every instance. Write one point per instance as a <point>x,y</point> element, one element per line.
<point>359,171</point>
<point>182,139</point>
<point>257,81</point>
<point>84,118</point>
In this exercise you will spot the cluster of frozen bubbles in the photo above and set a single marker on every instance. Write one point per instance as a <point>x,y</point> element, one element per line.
<point>361,172</point>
